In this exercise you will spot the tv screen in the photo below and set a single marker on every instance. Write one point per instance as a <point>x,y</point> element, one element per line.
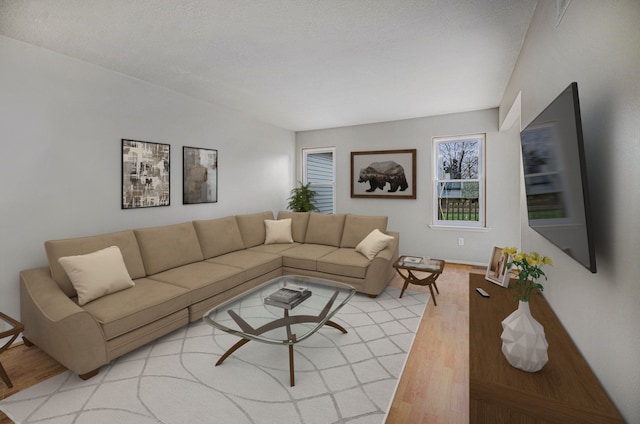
<point>555,178</point>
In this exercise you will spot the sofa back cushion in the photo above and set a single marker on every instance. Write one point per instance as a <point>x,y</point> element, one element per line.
<point>125,240</point>
<point>357,227</point>
<point>325,229</point>
<point>299,223</point>
<point>168,247</point>
<point>252,228</point>
<point>219,236</point>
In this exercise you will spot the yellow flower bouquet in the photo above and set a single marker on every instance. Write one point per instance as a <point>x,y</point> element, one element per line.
<point>529,270</point>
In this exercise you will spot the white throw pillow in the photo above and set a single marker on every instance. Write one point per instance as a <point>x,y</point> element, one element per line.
<point>97,274</point>
<point>278,231</point>
<point>372,244</point>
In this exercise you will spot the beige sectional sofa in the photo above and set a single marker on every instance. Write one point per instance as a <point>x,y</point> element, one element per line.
<point>178,272</point>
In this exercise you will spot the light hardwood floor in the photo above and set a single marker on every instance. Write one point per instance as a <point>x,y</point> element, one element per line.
<point>434,387</point>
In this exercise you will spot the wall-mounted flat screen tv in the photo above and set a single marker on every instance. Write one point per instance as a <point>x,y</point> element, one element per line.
<point>555,177</point>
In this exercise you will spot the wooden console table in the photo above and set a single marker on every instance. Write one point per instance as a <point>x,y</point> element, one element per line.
<point>564,391</point>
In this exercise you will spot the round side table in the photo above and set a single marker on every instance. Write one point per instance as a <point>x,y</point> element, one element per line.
<point>406,266</point>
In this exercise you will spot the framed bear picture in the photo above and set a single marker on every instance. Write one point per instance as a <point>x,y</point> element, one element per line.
<point>388,174</point>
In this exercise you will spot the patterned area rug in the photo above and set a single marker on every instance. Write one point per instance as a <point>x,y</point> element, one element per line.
<point>340,378</point>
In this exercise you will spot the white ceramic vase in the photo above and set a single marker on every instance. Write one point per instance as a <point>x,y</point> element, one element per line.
<point>523,341</point>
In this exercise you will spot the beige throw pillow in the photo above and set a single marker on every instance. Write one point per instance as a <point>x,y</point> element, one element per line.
<point>278,231</point>
<point>372,244</point>
<point>97,274</point>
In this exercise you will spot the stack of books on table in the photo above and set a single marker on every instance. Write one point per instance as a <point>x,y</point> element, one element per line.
<point>288,297</point>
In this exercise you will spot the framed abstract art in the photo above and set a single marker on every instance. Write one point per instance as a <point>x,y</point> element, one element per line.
<point>199,175</point>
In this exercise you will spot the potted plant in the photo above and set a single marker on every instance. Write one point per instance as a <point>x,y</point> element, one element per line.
<point>301,199</point>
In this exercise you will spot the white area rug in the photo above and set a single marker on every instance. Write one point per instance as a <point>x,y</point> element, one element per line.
<point>340,378</point>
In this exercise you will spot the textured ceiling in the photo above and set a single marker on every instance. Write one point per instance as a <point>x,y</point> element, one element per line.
<point>298,64</point>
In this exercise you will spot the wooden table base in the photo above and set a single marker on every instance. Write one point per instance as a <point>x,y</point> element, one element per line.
<point>430,281</point>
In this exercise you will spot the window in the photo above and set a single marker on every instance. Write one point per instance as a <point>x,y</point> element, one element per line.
<point>318,168</point>
<point>458,181</point>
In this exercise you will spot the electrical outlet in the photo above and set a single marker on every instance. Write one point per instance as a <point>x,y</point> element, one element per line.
<point>460,241</point>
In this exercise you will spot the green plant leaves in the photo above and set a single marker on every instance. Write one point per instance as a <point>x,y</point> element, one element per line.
<point>301,199</point>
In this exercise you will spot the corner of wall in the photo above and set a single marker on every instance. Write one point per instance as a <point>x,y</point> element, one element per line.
<point>513,115</point>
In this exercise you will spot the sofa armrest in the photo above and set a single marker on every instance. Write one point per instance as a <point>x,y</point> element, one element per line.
<point>57,325</point>
<point>391,252</point>
<point>380,271</point>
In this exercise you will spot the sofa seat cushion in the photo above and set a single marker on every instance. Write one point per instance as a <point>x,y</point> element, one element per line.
<point>275,249</point>
<point>254,264</point>
<point>145,302</point>
<point>305,256</point>
<point>202,279</point>
<point>344,261</point>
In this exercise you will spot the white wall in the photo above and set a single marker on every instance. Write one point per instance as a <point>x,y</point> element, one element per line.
<point>596,45</point>
<point>413,217</point>
<point>62,121</point>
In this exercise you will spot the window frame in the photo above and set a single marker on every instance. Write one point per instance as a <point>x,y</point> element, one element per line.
<point>306,151</point>
<point>481,179</point>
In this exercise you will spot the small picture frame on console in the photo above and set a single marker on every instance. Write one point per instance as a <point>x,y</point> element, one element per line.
<point>497,271</point>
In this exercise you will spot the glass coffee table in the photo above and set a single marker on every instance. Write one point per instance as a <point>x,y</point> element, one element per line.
<point>10,329</point>
<point>249,317</point>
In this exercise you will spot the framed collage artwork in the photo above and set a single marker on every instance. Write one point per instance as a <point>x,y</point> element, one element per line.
<point>146,174</point>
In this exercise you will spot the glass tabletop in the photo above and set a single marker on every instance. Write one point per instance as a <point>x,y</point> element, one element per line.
<point>420,263</point>
<point>249,317</point>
